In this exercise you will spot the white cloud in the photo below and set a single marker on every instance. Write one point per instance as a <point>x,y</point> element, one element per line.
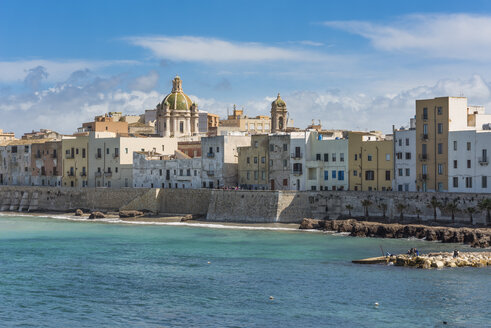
<point>456,36</point>
<point>146,82</point>
<point>199,49</point>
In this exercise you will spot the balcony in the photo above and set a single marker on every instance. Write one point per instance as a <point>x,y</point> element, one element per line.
<point>423,157</point>
<point>424,117</point>
<point>297,155</point>
<point>210,155</point>
<point>116,155</point>
<point>71,174</point>
<point>98,156</point>
<point>108,174</point>
<point>424,136</point>
<point>69,156</point>
<point>483,161</point>
<point>297,172</point>
<point>210,173</point>
<point>83,174</point>
<point>424,177</point>
<point>98,174</point>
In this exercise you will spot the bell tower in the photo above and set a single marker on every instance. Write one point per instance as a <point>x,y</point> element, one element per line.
<point>278,115</point>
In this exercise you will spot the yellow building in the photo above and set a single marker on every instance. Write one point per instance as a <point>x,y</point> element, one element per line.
<point>75,153</point>
<point>371,161</point>
<point>254,163</point>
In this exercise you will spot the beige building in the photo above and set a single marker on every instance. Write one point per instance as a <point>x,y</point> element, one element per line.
<point>371,161</point>
<point>6,136</point>
<point>238,122</point>
<point>104,123</point>
<point>254,164</point>
<point>75,162</point>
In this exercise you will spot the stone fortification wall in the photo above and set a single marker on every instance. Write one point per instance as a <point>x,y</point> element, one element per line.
<point>247,206</point>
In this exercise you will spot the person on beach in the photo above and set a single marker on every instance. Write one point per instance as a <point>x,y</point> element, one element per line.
<point>455,253</point>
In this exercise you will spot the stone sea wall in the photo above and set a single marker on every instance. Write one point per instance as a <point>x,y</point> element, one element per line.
<point>248,206</point>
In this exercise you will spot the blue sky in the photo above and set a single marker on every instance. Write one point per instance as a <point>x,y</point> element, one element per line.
<point>351,64</point>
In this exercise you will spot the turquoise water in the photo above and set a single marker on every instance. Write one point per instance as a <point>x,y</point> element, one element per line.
<point>59,273</point>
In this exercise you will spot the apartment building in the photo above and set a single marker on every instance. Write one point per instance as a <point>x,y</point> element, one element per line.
<point>405,158</point>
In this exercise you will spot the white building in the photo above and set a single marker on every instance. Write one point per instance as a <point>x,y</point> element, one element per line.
<point>299,148</point>
<point>327,164</point>
<point>152,170</point>
<point>468,165</point>
<point>110,158</point>
<point>220,160</point>
<point>405,159</point>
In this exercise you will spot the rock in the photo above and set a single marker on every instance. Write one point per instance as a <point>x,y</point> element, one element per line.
<point>437,264</point>
<point>96,215</point>
<point>187,217</point>
<point>309,224</point>
<point>79,212</point>
<point>130,214</point>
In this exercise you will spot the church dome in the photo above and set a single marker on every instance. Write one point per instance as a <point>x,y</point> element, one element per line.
<point>177,99</point>
<point>279,102</point>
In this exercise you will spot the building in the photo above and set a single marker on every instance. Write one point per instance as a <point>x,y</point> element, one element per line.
<point>279,161</point>
<point>46,163</point>
<point>42,134</point>
<point>299,149</point>
<point>405,158</point>
<point>279,115</point>
<point>327,164</point>
<point>75,161</point>
<point>469,169</point>
<point>220,160</point>
<point>177,115</point>
<point>141,128</point>
<point>152,170</point>
<point>254,164</point>
<point>110,157</point>
<point>238,122</point>
<point>190,148</point>
<point>6,136</point>
<point>435,118</point>
<point>371,163</point>
<point>105,123</point>
<point>208,123</point>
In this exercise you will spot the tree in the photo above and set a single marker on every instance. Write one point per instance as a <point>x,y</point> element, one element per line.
<point>453,207</point>
<point>400,208</point>
<point>418,213</point>
<point>471,210</point>
<point>485,205</point>
<point>434,203</point>
<point>349,208</point>
<point>383,207</point>
<point>366,203</point>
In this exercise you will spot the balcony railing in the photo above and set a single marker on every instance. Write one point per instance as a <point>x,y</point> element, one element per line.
<point>210,173</point>
<point>83,174</point>
<point>210,155</point>
<point>108,174</point>
<point>297,172</point>
<point>423,157</point>
<point>98,174</point>
<point>424,176</point>
<point>424,136</point>
<point>483,161</point>
<point>71,174</point>
<point>296,155</point>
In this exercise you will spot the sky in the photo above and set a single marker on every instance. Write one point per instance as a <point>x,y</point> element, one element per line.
<point>350,64</point>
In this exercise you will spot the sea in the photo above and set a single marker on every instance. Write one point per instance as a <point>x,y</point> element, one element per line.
<point>61,272</point>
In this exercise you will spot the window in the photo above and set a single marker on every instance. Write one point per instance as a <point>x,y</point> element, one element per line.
<point>408,172</point>
<point>341,175</point>
<point>408,155</point>
<point>468,182</point>
<point>256,175</point>
<point>99,152</point>
<point>407,141</point>
<point>455,145</point>
<point>387,157</point>
<point>468,163</point>
<point>440,148</point>
<point>270,162</point>
<point>484,181</point>
<point>218,149</point>
<point>455,164</point>
<point>399,188</point>
<point>271,147</point>
<point>356,157</point>
<point>399,155</point>
<point>181,127</point>
<point>341,157</point>
<point>255,160</point>
<point>425,113</point>
<point>369,175</point>
<point>326,175</point>
<point>425,130</point>
<point>188,172</point>
<point>76,151</point>
<point>333,175</point>
<point>285,182</point>
<point>369,158</point>
<point>116,169</point>
<point>400,142</point>
<point>126,150</point>
<point>317,157</point>
<point>160,172</point>
<point>387,175</point>
<point>116,152</point>
<point>440,186</point>
<point>439,110</point>
<point>248,175</point>
<point>468,146</point>
<point>440,128</point>
<point>440,169</point>
<point>423,149</point>
<point>285,163</point>
<point>263,160</point>
<point>285,147</point>
<point>263,175</point>
<point>333,157</point>
<point>424,168</point>
<point>326,157</point>
<point>400,172</point>
<point>107,151</point>
<point>255,144</point>
<point>248,160</point>
<point>180,172</point>
<point>455,182</point>
<point>355,173</point>
<point>83,152</point>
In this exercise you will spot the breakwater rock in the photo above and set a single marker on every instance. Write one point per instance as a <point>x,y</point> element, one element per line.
<point>441,260</point>
<point>475,237</point>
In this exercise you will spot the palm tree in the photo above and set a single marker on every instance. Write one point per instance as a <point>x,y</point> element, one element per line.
<point>471,210</point>
<point>418,213</point>
<point>485,205</point>
<point>400,208</point>
<point>383,207</point>
<point>349,208</point>
<point>366,203</point>
<point>434,203</point>
<point>453,207</point>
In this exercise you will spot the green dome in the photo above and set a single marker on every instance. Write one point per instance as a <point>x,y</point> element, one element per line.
<point>178,100</point>
<point>279,102</point>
